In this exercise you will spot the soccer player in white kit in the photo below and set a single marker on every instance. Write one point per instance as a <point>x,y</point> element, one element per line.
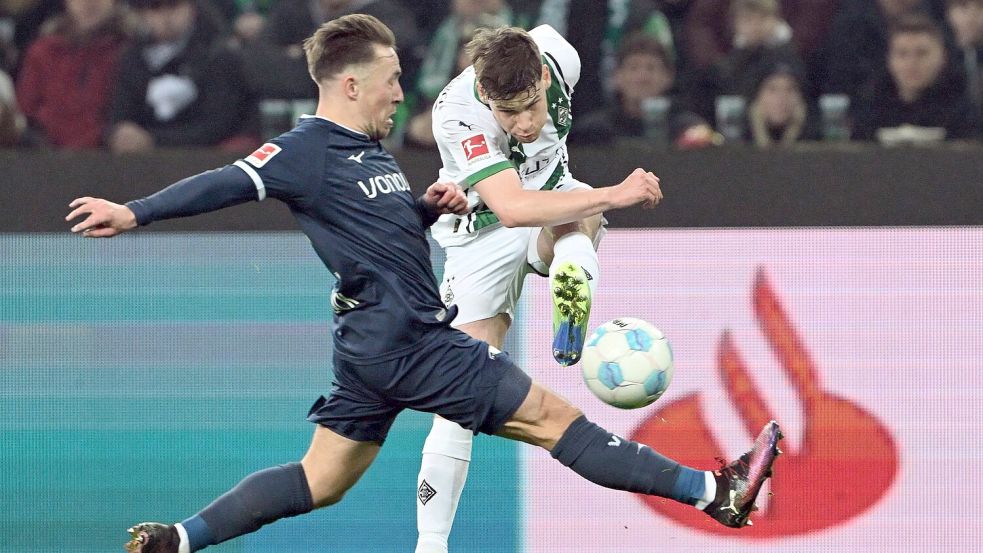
<point>501,127</point>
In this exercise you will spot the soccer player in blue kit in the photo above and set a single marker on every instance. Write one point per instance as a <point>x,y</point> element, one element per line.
<point>394,348</point>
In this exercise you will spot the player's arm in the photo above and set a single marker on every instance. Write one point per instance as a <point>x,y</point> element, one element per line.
<point>517,207</point>
<point>202,193</point>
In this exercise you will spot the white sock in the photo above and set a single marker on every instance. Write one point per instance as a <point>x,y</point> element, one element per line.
<point>446,456</point>
<point>578,249</point>
<point>710,491</point>
<point>185,546</point>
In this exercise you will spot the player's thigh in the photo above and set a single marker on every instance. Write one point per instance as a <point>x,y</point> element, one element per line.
<point>334,463</point>
<point>462,379</point>
<point>491,330</point>
<point>484,276</point>
<point>541,419</point>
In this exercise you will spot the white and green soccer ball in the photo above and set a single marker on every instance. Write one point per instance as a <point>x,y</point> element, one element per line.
<point>627,363</point>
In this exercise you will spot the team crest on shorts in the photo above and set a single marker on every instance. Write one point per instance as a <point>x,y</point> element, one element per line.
<point>475,148</point>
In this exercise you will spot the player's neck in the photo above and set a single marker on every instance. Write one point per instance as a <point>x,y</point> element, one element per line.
<point>347,118</point>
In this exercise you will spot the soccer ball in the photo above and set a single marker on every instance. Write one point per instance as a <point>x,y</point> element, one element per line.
<point>627,363</point>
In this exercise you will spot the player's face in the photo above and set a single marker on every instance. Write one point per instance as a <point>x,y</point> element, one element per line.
<point>915,61</point>
<point>380,93</point>
<point>524,116</point>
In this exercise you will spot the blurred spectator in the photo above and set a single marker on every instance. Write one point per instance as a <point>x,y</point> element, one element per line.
<point>442,59</point>
<point>11,120</point>
<point>778,112</point>
<point>919,90</point>
<point>249,19</point>
<point>708,36</point>
<point>761,38</point>
<point>645,104</point>
<point>676,12</point>
<point>66,81</point>
<point>596,28</point>
<point>246,18</point>
<point>292,21</point>
<point>857,42</point>
<point>23,20</point>
<point>275,64</point>
<point>445,57</point>
<point>8,25</point>
<point>178,85</point>
<point>966,20</point>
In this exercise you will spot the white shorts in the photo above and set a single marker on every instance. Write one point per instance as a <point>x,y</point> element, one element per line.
<point>484,277</point>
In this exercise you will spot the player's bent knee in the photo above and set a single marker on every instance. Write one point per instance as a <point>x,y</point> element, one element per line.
<point>588,226</point>
<point>333,464</point>
<point>325,489</point>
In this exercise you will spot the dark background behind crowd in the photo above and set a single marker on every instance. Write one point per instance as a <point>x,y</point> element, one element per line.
<point>134,75</point>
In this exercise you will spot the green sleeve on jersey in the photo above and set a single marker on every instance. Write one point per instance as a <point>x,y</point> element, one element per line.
<point>487,172</point>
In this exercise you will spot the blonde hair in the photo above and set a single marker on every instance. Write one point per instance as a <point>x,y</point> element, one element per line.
<point>347,40</point>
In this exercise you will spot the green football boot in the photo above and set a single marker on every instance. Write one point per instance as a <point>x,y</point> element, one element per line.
<point>571,310</point>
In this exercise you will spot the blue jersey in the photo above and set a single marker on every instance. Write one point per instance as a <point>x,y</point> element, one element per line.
<point>353,202</point>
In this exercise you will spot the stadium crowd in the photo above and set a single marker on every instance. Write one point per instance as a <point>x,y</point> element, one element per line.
<point>133,75</point>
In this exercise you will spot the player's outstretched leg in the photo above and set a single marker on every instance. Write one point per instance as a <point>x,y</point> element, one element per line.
<point>611,461</point>
<point>332,465</point>
<point>573,279</point>
<point>260,498</point>
<point>739,482</point>
<point>443,473</point>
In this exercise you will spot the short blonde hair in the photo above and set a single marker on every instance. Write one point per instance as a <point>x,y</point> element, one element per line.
<point>347,40</point>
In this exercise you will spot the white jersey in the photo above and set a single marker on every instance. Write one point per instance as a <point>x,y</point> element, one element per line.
<point>473,146</point>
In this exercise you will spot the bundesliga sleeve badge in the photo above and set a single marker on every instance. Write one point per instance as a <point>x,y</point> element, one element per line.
<point>475,148</point>
<point>263,155</point>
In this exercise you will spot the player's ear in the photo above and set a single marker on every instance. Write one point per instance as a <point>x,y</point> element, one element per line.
<point>481,92</point>
<point>350,86</point>
<point>547,80</point>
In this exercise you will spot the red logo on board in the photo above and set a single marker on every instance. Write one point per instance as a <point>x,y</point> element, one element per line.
<point>475,146</point>
<point>846,462</point>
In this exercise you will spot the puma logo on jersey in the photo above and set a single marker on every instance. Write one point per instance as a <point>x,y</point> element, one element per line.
<point>465,125</point>
<point>357,158</point>
<point>385,184</point>
<point>475,147</point>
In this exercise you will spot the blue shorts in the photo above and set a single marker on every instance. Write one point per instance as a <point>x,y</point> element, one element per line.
<point>450,374</point>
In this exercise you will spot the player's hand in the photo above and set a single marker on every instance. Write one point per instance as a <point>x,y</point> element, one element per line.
<point>447,197</point>
<point>641,187</point>
<point>104,218</point>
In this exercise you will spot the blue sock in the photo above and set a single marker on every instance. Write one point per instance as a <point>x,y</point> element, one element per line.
<point>261,498</point>
<point>614,462</point>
